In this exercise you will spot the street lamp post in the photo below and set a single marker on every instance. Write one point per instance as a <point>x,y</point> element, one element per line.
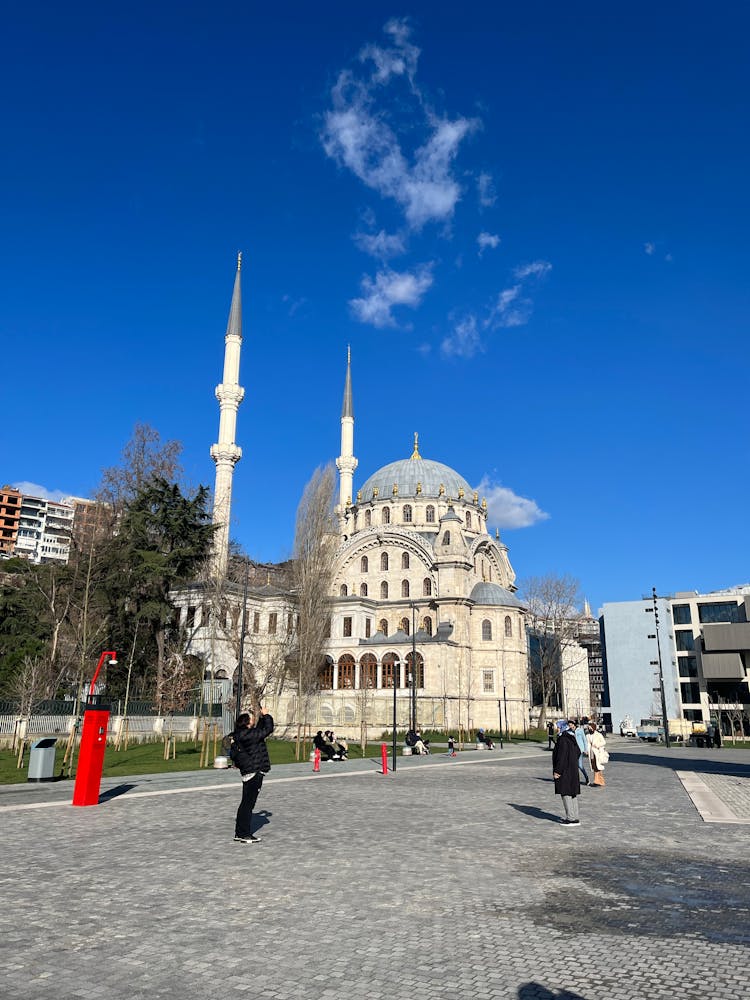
<point>500,713</point>
<point>414,667</point>
<point>665,721</point>
<point>395,668</point>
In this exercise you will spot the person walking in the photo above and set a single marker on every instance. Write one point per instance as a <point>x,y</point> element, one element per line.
<point>582,741</point>
<point>451,746</point>
<point>565,772</point>
<point>550,735</point>
<point>250,754</point>
<point>598,755</point>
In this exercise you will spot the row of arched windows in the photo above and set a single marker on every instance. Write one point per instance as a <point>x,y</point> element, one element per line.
<point>370,674</point>
<point>364,562</point>
<point>407,516</point>
<point>487,628</point>
<point>385,589</point>
<point>425,625</point>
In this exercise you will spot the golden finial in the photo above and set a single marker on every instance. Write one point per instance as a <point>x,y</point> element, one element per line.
<point>441,491</point>
<point>239,261</point>
<point>359,496</point>
<point>419,489</point>
<point>484,503</point>
<point>415,453</point>
<point>475,497</point>
<point>375,492</point>
<point>395,489</point>
<point>348,501</point>
<point>460,492</point>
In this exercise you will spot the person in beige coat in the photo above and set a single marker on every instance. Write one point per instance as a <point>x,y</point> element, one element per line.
<point>598,756</point>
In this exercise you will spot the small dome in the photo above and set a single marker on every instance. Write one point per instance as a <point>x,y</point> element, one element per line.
<point>494,595</point>
<point>409,472</point>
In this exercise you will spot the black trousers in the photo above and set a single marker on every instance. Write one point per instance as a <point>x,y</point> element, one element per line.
<point>250,790</point>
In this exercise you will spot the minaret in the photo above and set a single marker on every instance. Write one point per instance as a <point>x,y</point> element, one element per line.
<point>346,463</point>
<point>225,452</point>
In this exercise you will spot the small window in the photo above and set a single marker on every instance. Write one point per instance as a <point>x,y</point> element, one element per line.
<point>363,590</point>
<point>256,622</point>
<point>272,622</point>
<point>427,587</point>
<point>368,627</point>
<point>429,514</point>
<point>384,560</point>
<point>404,588</point>
<point>406,513</point>
<point>681,614</point>
<point>347,627</point>
<point>684,641</point>
<point>384,591</point>
<point>404,625</point>
<point>447,538</point>
<point>368,518</point>
<point>364,564</point>
<point>404,560</point>
<point>468,520</point>
<point>486,629</point>
<point>290,622</point>
<point>386,515</point>
<point>343,592</point>
<point>488,681</point>
<point>427,625</point>
<point>383,626</point>
<point>508,626</point>
<point>190,619</point>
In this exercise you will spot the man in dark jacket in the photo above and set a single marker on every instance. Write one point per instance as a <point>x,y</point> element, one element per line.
<point>565,772</point>
<point>250,754</point>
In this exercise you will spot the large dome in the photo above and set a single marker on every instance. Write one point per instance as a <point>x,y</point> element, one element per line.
<point>410,471</point>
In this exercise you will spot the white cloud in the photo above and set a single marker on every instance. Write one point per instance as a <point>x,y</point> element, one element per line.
<point>505,509</point>
<point>536,269</point>
<point>381,245</point>
<point>389,289</point>
<point>486,190</point>
<point>464,341</point>
<point>510,309</point>
<point>358,136</point>
<point>486,240</point>
<point>35,490</point>
<point>649,248</point>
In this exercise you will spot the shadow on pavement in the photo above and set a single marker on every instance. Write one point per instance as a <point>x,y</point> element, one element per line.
<point>537,814</point>
<point>113,793</point>
<point>262,819</point>
<point>680,763</point>
<point>535,991</point>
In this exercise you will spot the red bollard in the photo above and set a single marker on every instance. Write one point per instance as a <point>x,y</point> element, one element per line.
<point>316,760</point>
<point>384,753</point>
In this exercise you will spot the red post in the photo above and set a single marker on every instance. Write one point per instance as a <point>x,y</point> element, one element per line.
<point>316,760</point>
<point>93,744</point>
<point>384,754</point>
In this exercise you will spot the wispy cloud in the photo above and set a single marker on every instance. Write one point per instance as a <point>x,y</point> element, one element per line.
<point>536,269</point>
<point>361,134</point>
<point>387,290</point>
<point>464,341</point>
<point>487,241</point>
<point>35,490</point>
<point>505,509</point>
<point>649,248</point>
<point>381,245</point>
<point>486,190</point>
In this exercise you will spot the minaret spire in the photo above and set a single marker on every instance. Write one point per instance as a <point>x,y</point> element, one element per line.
<point>225,452</point>
<point>346,463</point>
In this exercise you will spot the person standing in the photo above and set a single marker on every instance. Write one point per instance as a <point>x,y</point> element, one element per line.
<point>598,755</point>
<point>582,741</point>
<point>250,755</point>
<point>550,735</point>
<point>451,746</point>
<point>565,772</point>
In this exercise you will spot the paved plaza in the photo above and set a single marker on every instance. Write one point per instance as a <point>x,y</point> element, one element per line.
<point>452,879</point>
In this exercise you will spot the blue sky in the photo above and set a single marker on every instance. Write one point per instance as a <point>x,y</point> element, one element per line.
<point>530,225</point>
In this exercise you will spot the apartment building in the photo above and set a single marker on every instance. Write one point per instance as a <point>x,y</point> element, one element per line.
<point>10,515</point>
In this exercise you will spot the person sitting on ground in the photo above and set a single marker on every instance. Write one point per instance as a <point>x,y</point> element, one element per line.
<point>327,751</point>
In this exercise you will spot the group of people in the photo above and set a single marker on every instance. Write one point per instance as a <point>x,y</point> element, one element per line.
<point>415,740</point>
<point>577,742</point>
<point>330,747</point>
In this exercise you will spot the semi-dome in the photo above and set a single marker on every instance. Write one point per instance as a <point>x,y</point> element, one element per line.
<point>494,595</point>
<point>408,473</point>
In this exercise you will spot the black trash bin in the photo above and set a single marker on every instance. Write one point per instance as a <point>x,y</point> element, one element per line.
<point>42,760</point>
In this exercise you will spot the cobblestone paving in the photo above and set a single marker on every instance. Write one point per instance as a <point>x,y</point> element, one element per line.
<point>452,879</point>
<point>733,790</point>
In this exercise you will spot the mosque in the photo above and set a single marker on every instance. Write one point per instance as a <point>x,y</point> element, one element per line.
<point>424,620</point>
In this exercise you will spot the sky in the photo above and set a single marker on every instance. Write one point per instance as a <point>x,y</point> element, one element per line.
<point>529,222</point>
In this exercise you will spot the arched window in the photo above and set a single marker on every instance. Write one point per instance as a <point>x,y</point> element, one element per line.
<point>384,560</point>
<point>447,538</point>
<point>383,626</point>
<point>325,677</point>
<point>368,518</point>
<point>386,515</point>
<point>429,514</point>
<point>418,675</point>
<point>427,587</point>
<point>404,560</point>
<point>364,564</point>
<point>426,625</point>
<point>368,671</point>
<point>346,671</point>
<point>406,513</point>
<point>363,590</point>
<point>343,592</point>
<point>486,629</point>
<point>508,626</point>
<point>390,671</point>
<point>404,625</point>
<point>468,520</point>
<point>404,588</point>
<point>384,591</point>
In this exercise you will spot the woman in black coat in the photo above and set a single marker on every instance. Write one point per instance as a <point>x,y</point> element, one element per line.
<point>565,771</point>
<point>250,755</point>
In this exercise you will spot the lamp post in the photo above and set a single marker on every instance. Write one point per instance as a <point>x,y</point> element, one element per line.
<point>414,666</point>
<point>243,628</point>
<point>395,668</point>
<point>500,713</point>
<point>665,721</point>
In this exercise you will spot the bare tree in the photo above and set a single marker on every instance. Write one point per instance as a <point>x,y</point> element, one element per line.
<point>143,458</point>
<point>315,545</point>
<point>552,618</point>
<point>35,682</point>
